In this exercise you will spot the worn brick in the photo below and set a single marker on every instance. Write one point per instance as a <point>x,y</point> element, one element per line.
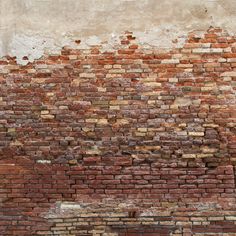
<point>128,141</point>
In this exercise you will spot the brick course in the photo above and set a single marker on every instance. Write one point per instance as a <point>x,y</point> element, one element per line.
<point>127,142</point>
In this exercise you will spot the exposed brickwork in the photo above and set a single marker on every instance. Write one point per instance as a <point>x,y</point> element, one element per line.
<point>129,142</point>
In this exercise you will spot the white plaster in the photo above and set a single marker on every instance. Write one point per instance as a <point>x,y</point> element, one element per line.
<point>33,28</point>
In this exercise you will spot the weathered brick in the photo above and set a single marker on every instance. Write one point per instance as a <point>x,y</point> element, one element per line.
<point>136,138</point>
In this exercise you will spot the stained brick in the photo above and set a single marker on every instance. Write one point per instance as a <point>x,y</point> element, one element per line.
<point>130,138</point>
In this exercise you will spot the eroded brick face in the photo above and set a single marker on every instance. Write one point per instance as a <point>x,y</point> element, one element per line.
<point>129,142</point>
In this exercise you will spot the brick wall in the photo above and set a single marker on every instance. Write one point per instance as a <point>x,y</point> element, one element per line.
<point>129,142</point>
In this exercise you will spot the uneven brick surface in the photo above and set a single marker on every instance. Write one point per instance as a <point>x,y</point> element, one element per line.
<point>129,142</point>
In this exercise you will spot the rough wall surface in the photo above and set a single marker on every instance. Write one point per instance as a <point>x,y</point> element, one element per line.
<point>34,27</point>
<point>133,140</point>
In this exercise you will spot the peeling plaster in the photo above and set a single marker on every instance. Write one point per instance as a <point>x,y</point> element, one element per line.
<point>32,28</point>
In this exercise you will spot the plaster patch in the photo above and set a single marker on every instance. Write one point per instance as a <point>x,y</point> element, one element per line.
<point>27,48</point>
<point>33,28</point>
<point>165,36</point>
<point>33,47</point>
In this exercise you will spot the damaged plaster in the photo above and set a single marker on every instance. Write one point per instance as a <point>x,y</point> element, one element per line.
<point>30,28</point>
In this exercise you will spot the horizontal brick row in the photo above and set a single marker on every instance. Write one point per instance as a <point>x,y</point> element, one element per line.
<point>133,141</point>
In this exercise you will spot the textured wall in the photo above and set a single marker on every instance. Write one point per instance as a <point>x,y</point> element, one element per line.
<point>32,27</point>
<point>133,136</point>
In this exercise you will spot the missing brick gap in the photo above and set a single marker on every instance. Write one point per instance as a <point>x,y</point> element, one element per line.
<point>132,214</point>
<point>234,168</point>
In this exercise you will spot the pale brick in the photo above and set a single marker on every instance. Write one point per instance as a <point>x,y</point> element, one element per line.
<point>198,134</point>
<point>170,61</point>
